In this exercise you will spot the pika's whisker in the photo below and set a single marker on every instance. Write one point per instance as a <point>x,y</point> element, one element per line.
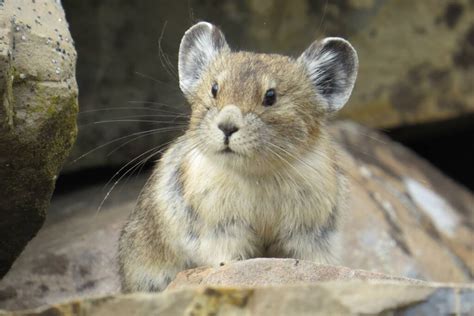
<point>139,165</point>
<point>134,159</point>
<point>124,121</point>
<point>174,116</point>
<point>127,108</point>
<point>165,62</point>
<point>154,103</point>
<point>121,177</point>
<point>109,143</point>
<point>304,177</point>
<point>153,132</point>
<point>299,159</point>
<point>156,80</point>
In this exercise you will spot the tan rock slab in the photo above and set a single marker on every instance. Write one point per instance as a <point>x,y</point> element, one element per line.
<point>326,298</point>
<point>272,271</point>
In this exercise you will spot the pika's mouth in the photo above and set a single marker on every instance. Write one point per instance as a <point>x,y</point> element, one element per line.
<point>227,150</point>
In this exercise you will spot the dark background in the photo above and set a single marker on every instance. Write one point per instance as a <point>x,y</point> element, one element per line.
<point>415,79</point>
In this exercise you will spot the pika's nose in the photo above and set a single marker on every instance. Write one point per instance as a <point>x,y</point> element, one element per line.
<point>228,129</point>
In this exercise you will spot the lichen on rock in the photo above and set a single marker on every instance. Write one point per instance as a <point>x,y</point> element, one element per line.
<point>37,116</point>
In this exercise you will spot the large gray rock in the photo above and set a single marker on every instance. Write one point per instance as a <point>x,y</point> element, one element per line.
<point>405,217</point>
<point>37,116</point>
<point>325,298</point>
<point>416,59</point>
<point>393,226</point>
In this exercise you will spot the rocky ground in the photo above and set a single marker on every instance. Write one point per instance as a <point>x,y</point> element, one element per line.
<point>355,297</point>
<point>405,220</point>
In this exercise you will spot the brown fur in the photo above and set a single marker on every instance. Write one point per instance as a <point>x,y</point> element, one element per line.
<point>277,193</point>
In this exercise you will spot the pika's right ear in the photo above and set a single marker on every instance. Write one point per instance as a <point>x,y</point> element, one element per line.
<point>332,67</point>
<point>200,45</point>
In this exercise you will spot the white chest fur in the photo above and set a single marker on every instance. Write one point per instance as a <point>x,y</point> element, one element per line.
<point>301,194</point>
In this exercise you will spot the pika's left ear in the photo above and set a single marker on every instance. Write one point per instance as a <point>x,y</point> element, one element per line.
<point>332,67</point>
<point>200,45</point>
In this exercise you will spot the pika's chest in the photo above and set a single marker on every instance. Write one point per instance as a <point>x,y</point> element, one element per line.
<point>266,205</point>
<point>283,201</point>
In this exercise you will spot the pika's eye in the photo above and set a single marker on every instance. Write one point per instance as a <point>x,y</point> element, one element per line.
<point>214,89</point>
<point>270,98</point>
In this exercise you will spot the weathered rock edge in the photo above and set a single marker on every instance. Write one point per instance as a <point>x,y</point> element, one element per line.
<point>38,110</point>
<point>326,298</point>
<point>275,272</point>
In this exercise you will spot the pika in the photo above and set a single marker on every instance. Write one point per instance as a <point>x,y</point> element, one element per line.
<point>255,174</point>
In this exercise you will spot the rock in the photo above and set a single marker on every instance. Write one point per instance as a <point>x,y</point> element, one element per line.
<point>37,116</point>
<point>272,271</point>
<point>325,298</point>
<point>416,60</point>
<point>74,255</point>
<point>120,67</point>
<point>392,227</point>
<point>402,212</point>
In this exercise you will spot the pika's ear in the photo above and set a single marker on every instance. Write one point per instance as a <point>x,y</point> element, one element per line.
<point>199,46</point>
<point>332,67</point>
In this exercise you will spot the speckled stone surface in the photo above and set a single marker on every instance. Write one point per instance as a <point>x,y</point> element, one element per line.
<point>390,227</point>
<point>38,109</point>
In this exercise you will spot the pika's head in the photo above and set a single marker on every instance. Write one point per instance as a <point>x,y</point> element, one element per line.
<point>252,110</point>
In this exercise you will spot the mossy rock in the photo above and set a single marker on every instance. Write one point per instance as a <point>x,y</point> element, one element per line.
<point>37,116</point>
